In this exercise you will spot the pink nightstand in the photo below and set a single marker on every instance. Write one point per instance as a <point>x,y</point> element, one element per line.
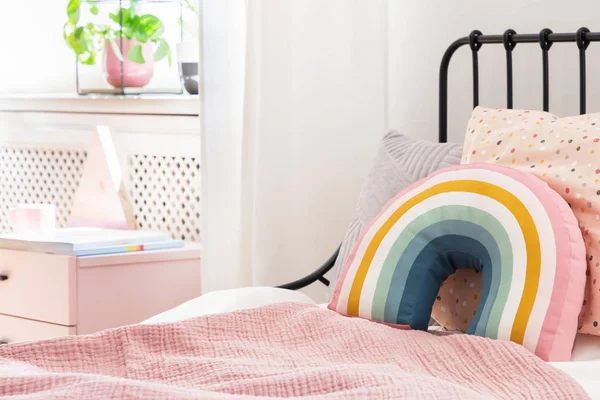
<point>44,295</point>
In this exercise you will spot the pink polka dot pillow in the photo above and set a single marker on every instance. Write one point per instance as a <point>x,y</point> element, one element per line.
<point>565,153</point>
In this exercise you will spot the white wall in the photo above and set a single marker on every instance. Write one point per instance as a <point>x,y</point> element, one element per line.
<point>294,107</point>
<point>321,115</point>
<point>34,57</point>
<point>420,31</point>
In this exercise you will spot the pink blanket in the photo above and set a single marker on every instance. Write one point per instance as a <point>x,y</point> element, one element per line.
<point>278,351</point>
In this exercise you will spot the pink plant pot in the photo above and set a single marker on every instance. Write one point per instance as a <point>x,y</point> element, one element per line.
<point>134,75</point>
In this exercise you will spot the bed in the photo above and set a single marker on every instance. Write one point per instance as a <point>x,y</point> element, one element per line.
<point>584,367</point>
<point>276,342</point>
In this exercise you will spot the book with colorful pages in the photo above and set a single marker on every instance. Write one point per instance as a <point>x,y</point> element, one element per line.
<point>88,241</point>
<point>129,248</point>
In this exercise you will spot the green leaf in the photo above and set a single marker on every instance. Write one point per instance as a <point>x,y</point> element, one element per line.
<point>86,40</point>
<point>73,11</point>
<point>78,32</point>
<point>122,17</point>
<point>134,22</point>
<point>135,31</point>
<point>140,37</point>
<point>88,59</point>
<point>126,21</point>
<point>136,55</point>
<point>150,27</point>
<point>162,50</point>
<point>94,9</point>
<point>127,16</point>
<point>83,44</point>
<point>128,32</point>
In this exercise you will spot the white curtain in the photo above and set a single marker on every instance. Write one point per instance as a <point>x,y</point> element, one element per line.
<point>293,105</point>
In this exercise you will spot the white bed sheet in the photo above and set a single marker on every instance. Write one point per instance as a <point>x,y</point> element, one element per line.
<point>587,373</point>
<point>586,370</point>
<point>229,300</point>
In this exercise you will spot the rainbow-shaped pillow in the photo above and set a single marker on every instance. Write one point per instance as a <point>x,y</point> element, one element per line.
<point>507,224</point>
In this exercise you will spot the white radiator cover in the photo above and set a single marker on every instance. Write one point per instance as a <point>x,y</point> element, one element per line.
<point>43,150</point>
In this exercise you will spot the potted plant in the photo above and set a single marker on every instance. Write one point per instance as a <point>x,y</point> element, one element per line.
<point>130,42</point>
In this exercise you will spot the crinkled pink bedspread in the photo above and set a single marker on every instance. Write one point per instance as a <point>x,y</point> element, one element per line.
<point>278,351</point>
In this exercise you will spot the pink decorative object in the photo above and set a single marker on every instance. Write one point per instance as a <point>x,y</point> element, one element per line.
<point>32,218</point>
<point>101,200</point>
<point>498,222</point>
<point>79,295</point>
<point>278,351</point>
<point>134,75</point>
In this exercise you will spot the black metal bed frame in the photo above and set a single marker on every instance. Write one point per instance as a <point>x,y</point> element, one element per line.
<point>546,38</point>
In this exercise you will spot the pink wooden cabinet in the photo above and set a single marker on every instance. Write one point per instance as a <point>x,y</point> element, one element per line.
<point>44,296</point>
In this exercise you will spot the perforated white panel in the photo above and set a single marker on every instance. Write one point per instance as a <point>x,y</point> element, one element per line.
<point>165,192</point>
<point>32,175</point>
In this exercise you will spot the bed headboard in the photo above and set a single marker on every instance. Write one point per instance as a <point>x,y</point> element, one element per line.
<point>546,38</point>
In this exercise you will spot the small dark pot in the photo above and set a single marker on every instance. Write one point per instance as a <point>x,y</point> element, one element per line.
<point>187,54</point>
<point>189,76</point>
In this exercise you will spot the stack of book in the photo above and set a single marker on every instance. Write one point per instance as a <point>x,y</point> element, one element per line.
<point>81,242</point>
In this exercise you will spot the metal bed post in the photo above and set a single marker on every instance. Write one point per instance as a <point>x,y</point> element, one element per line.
<point>545,44</point>
<point>582,44</point>
<point>475,46</point>
<point>443,89</point>
<point>509,46</point>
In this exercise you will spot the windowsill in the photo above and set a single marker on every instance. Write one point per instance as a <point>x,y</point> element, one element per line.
<point>178,105</point>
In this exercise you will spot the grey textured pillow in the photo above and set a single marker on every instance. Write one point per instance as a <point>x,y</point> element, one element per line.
<point>400,162</point>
